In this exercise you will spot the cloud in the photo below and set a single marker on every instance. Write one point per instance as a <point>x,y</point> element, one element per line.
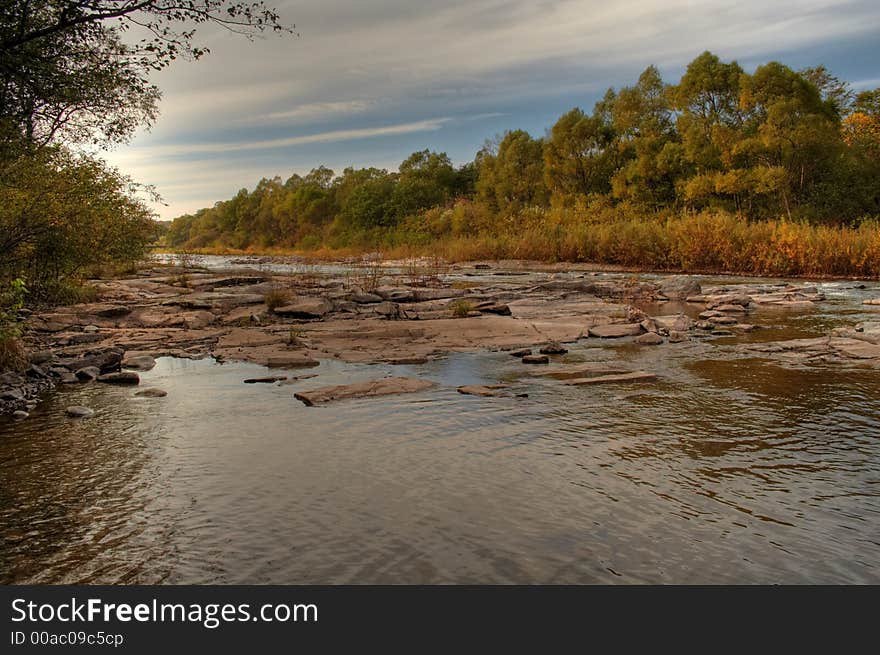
<point>315,111</point>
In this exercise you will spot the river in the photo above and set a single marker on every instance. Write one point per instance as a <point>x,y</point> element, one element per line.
<point>730,469</point>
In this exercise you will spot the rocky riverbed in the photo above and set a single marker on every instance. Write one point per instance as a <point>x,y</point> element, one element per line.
<point>292,321</point>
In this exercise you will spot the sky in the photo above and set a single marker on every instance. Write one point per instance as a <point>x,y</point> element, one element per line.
<point>367,82</point>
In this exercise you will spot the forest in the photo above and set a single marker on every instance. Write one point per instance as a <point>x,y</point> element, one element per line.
<point>773,171</point>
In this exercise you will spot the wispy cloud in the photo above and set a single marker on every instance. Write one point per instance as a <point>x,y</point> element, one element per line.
<point>314,111</point>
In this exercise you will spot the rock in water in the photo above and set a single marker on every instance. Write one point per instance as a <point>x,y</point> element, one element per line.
<point>649,339</point>
<point>368,389</point>
<point>536,359</point>
<point>19,415</point>
<point>88,373</point>
<point>635,376</point>
<point>138,362</point>
<point>680,287</point>
<point>78,411</point>
<point>124,377</point>
<point>487,390</point>
<point>553,348</point>
<point>522,352</point>
<point>615,330</point>
<point>151,393</point>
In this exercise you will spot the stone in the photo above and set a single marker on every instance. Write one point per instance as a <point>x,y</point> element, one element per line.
<point>292,360</point>
<point>871,301</point>
<point>535,359</point>
<point>677,337</point>
<point>78,411</point>
<point>266,380</point>
<point>482,267</point>
<point>424,295</point>
<point>679,322</point>
<point>494,308</point>
<point>138,362</point>
<point>649,339</point>
<point>367,389</point>
<point>680,287</point>
<point>13,395</point>
<point>152,392</point>
<point>110,311</point>
<point>19,415</point>
<point>723,320</point>
<point>553,348</point>
<point>41,357</point>
<point>615,330</point>
<point>486,390</point>
<point>522,352</point>
<point>403,361</point>
<point>88,373</point>
<point>123,377</point>
<point>91,329</point>
<point>365,298</point>
<point>730,308</point>
<point>635,376</point>
<point>305,308</point>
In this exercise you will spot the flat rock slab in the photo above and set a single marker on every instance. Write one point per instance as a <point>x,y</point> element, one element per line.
<point>871,301</point>
<point>580,371</point>
<point>487,390</point>
<point>649,339</point>
<point>615,330</point>
<point>635,376</point>
<point>267,380</point>
<point>553,348</point>
<point>306,308</point>
<point>125,377</point>
<point>368,389</point>
<point>294,360</point>
<point>536,359</point>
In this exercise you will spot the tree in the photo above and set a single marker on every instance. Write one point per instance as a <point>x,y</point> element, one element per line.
<point>426,179</point>
<point>71,70</point>
<point>514,177</point>
<point>579,157</point>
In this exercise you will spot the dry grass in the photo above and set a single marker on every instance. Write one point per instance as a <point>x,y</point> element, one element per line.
<point>276,298</point>
<point>13,356</point>
<point>460,308</point>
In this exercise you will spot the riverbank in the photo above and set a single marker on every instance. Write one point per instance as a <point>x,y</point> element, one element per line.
<point>267,312</point>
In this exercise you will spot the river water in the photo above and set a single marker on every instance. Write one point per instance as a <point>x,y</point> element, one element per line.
<point>729,469</point>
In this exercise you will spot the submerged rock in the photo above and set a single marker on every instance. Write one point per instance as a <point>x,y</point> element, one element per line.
<point>368,389</point>
<point>487,390</point>
<point>635,376</point>
<point>78,411</point>
<point>151,393</point>
<point>124,377</point>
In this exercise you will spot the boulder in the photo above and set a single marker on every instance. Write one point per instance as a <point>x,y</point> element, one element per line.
<point>365,298</point>
<point>110,311</point>
<point>679,287</point>
<point>138,362</point>
<point>19,415</point>
<point>615,330</point>
<point>522,352</point>
<point>41,357</point>
<point>679,322</point>
<point>649,339</point>
<point>78,411</point>
<point>553,348</point>
<point>367,389</point>
<point>677,337</point>
<point>123,377</point>
<point>494,308</point>
<point>88,373</point>
<point>13,395</point>
<point>535,359</point>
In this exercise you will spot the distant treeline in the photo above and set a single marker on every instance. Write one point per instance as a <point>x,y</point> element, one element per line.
<point>776,146</point>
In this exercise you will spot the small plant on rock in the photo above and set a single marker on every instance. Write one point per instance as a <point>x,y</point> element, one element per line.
<point>461,308</point>
<point>276,298</point>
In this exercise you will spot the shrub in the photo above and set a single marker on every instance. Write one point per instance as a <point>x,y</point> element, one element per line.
<point>276,298</point>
